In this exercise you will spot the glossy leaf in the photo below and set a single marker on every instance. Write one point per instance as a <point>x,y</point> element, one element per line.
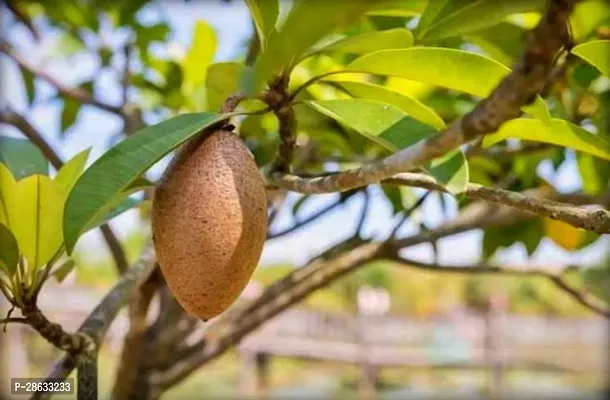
<point>37,225</point>
<point>222,80</point>
<point>9,251</point>
<point>69,173</point>
<point>200,55</point>
<point>471,16</point>
<point>21,157</point>
<point>307,22</point>
<point>113,172</point>
<point>596,53</point>
<point>264,13</point>
<point>394,129</point>
<point>398,38</point>
<point>453,69</point>
<point>560,132</point>
<point>406,103</point>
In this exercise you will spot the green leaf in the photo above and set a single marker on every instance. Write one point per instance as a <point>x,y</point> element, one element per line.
<point>9,251</point>
<point>398,8</point>
<point>594,173</point>
<point>124,204</point>
<point>453,69</point>
<point>199,56</point>
<point>475,15</point>
<point>113,172</point>
<point>450,68</point>
<point>307,22</point>
<point>399,38</point>
<point>7,192</point>
<point>222,80</point>
<point>560,132</point>
<point>69,173</point>
<point>64,270</point>
<point>451,170</point>
<point>28,83</point>
<point>21,157</point>
<point>502,42</point>
<point>394,196</point>
<point>38,220</point>
<point>264,13</point>
<point>596,53</point>
<point>69,113</point>
<point>406,103</point>
<point>394,129</point>
<point>66,45</point>
<point>586,17</point>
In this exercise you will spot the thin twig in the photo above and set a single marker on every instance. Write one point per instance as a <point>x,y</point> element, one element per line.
<point>300,224</point>
<point>74,93</point>
<point>582,297</point>
<point>595,220</point>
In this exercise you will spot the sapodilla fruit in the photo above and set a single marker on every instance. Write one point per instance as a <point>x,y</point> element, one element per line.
<point>209,222</point>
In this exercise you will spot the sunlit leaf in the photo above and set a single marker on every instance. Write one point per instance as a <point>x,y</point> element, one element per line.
<point>398,38</point>
<point>199,56</point>
<point>21,157</point>
<point>9,251</point>
<point>406,103</point>
<point>587,16</point>
<point>307,22</point>
<point>393,129</point>
<point>471,16</point>
<point>563,234</point>
<point>560,132</point>
<point>596,53</point>
<point>453,69</point>
<point>594,173</point>
<point>264,13</point>
<point>7,193</point>
<point>69,173</point>
<point>398,8</point>
<point>113,172</point>
<point>222,80</point>
<point>37,225</point>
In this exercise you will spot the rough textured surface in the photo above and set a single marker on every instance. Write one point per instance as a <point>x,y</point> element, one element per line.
<point>209,221</point>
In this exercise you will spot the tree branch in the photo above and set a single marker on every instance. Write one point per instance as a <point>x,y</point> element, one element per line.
<point>10,117</point>
<point>74,93</point>
<point>299,224</point>
<point>582,297</point>
<point>97,323</point>
<point>226,331</point>
<point>593,220</point>
<point>528,78</point>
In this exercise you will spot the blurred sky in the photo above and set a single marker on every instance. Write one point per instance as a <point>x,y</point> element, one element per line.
<point>95,129</point>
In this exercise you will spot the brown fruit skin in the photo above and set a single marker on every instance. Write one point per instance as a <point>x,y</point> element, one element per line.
<point>209,222</point>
